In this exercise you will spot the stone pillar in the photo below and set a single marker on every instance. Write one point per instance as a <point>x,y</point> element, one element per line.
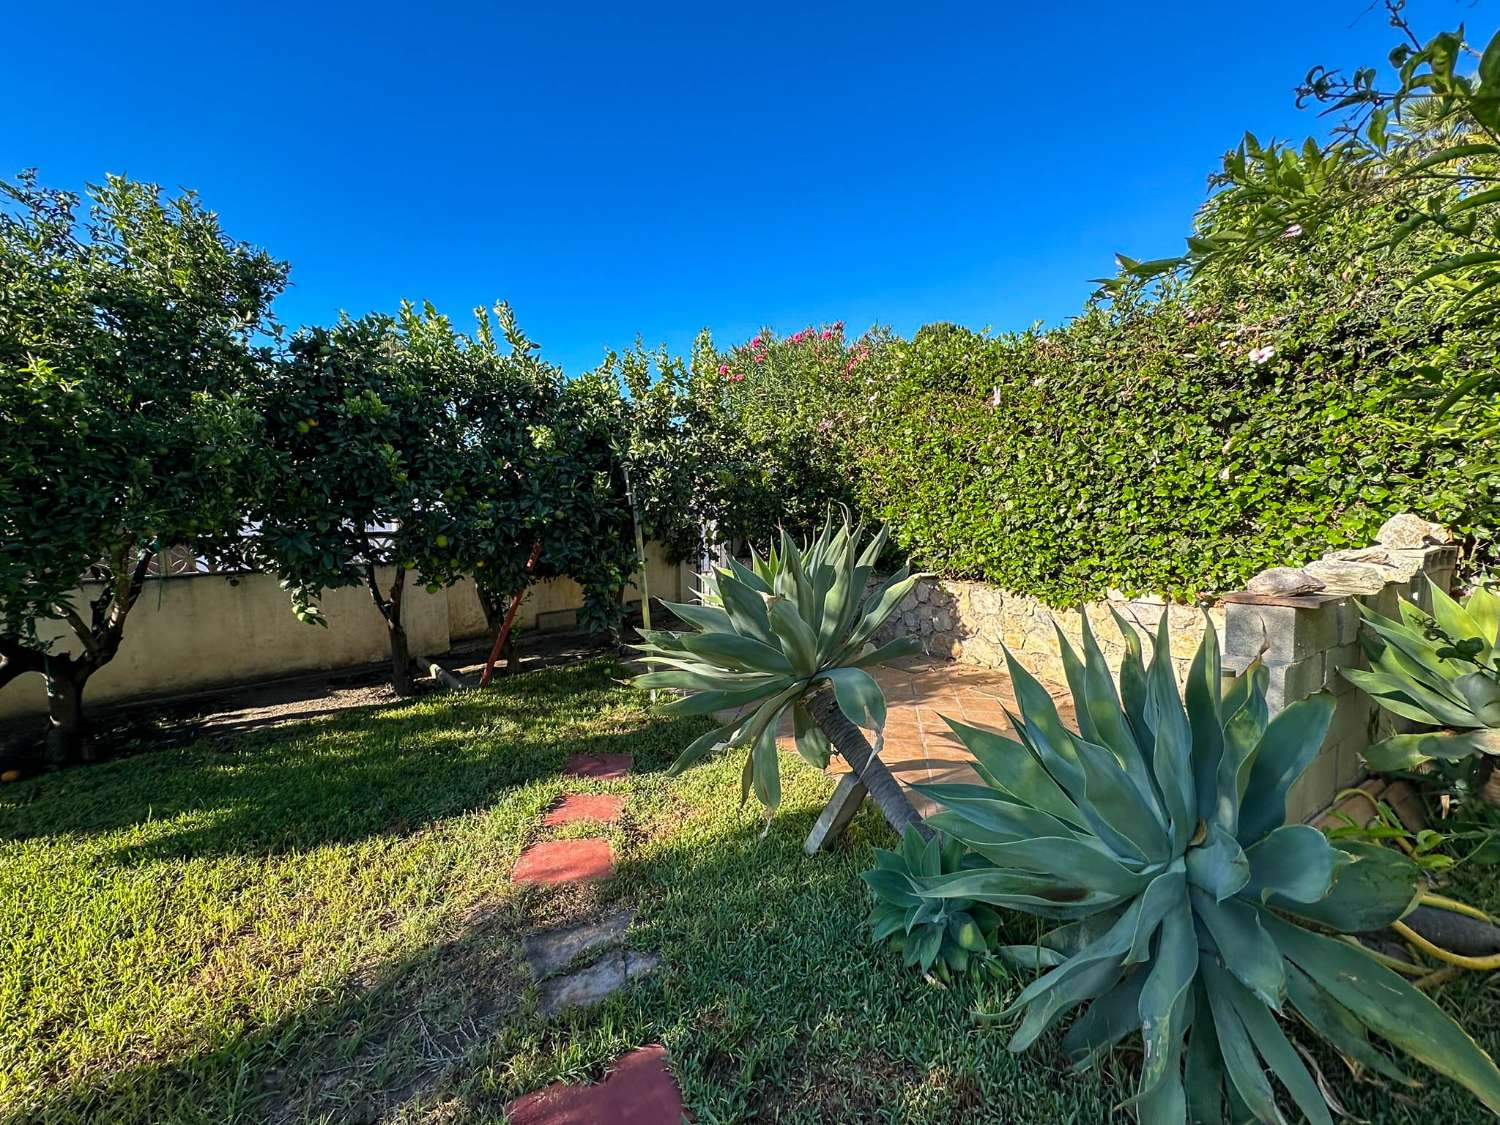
<point>1304,640</point>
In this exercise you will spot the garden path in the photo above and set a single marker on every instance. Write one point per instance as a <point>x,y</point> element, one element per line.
<point>639,1089</point>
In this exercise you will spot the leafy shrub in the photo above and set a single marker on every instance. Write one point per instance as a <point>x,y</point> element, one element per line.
<point>1192,913</point>
<point>1176,438</point>
<point>780,397</point>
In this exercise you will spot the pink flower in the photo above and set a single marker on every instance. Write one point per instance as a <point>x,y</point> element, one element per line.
<point>1260,355</point>
<point>760,357</point>
<point>723,369</point>
<point>755,343</point>
<point>737,378</point>
<point>828,333</point>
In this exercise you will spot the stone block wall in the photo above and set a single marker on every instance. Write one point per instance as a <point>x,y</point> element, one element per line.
<point>971,621</point>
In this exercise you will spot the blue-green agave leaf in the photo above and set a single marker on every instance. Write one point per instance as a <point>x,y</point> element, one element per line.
<point>1392,1008</point>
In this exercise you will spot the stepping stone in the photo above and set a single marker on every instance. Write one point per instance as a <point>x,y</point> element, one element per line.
<point>601,766</point>
<point>551,950</point>
<point>565,861</point>
<point>594,982</point>
<point>573,807</point>
<point>639,1090</point>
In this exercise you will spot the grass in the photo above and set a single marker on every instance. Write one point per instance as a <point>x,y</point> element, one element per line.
<point>316,924</point>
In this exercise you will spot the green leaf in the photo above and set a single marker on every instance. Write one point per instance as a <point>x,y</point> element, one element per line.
<point>1272,1046</point>
<point>812,743</point>
<point>1376,889</point>
<point>1330,1019</point>
<point>767,772</point>
<point>1247,951</point>
<point>737,652</point>
<point>1236,1049</point>
<point>1011,768</point>
<point>869,656</point>
<point>1217,865</point>
<point>859,696</point>
<point>1404,751</point>
<point>706,618</point>
<point>1392,1008</point>
<point>797,639</point>
<point>1296,862</point>
<point>1290,743</point>
<point>1204,701</point>
<point>702,746</point>
<point>745,606</point>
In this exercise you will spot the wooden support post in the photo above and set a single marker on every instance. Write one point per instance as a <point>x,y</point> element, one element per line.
<point>836,816</point>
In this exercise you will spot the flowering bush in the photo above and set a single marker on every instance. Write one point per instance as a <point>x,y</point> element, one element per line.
<point>788,399</point>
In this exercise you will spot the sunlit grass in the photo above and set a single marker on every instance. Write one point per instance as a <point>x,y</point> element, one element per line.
<point>317,924</point>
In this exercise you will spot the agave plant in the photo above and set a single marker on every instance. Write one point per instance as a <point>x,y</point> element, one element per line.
<point>1190,912</point>
<point>1440,669</point>
<point>946,936</point>
<point>792,632</point>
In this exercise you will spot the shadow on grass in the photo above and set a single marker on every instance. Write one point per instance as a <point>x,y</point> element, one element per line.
<point>378,1042</point>
<point>383,771</point>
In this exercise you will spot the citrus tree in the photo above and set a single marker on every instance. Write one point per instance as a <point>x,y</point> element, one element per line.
<point>537,489</point>
<point>127,423</point>
<point>361,435</point>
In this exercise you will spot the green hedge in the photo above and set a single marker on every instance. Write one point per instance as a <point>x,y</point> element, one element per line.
<point>1152,445</point>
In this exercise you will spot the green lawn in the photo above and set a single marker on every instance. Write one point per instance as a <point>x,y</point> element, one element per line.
<point>316,923</point>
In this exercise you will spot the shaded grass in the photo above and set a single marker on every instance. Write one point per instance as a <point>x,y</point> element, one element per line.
<point>317,924</point>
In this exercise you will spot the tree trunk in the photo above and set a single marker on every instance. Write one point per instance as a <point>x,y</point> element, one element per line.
<point>403,680</point>
<point>401,666</point>
<point>855,749</point>
<point>68,737</point>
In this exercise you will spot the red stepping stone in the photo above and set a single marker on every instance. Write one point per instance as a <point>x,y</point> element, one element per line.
<point>603,766</point>
<point>639,1090</point>
<point>565,861</point>
<point>585,806</point>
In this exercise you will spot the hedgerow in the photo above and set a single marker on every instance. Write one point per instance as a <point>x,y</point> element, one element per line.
<point>1171,440</point>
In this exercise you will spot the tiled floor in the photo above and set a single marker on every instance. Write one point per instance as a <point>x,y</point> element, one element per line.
<point>918,693</point>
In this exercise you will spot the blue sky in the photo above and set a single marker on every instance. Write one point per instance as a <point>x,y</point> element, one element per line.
<point>615,169</point>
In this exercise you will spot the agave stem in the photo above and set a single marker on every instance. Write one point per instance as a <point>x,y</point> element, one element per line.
<point>854,748</point>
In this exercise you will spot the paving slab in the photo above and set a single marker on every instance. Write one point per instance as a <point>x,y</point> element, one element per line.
<point>573,807</point>
<point>552,950</point>
<point>638,1090</point>
<point>565,861</point>
<point>599,766</point>
<point>595,981</point>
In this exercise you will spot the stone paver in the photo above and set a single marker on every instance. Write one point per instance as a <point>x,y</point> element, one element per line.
<point>603,807</point>
<point>551,950</point>
<point>565,861</point>
<point>638,1090</point>
<point>594,981</point>
<point>599,766</point>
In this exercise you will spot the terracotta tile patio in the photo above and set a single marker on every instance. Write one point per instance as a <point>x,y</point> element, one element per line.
<point>919,691</point>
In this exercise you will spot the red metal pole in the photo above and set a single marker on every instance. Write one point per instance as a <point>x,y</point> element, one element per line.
<point>510,617</point>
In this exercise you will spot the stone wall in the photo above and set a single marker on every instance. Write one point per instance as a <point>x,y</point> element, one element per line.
<point>971,621</point>
<point>1303,623</point>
